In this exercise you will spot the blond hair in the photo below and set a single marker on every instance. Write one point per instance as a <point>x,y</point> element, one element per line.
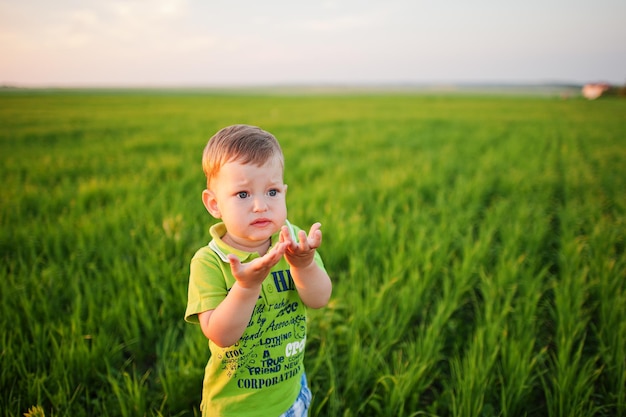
<point>242,143</point>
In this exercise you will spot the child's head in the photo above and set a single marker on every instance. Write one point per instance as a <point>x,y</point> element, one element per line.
<point>242,143</point>
<point>245,189</point>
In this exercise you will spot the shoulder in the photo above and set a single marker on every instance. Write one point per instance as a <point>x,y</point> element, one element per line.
<point>206,261</point>
<point>205,253</point>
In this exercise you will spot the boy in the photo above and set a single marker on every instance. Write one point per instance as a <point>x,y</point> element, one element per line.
<point>249,287</point>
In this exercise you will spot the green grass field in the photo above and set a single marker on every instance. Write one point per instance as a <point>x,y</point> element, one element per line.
<point>476,246</point>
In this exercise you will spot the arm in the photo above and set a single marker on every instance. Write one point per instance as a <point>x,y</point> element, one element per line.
<point>226,324</point>
<point>312,282</point>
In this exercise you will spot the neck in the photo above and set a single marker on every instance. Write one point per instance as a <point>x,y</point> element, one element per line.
<point>261,248</point>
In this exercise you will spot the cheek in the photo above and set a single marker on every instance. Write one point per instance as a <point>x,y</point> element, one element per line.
<point>282,208</point>
<point>230,208</point>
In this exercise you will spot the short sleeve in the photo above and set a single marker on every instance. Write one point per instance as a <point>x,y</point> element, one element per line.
<point>209,282</point>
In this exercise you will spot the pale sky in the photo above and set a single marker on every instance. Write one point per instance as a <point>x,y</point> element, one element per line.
<point>251,42</point>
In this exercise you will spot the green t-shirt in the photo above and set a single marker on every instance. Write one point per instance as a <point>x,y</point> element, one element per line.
<point>260,374</point>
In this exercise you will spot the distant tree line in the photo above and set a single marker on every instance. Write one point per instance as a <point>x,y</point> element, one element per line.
<point>615,91</point>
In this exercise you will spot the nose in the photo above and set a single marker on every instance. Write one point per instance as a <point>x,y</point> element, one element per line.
<point>260,205</point>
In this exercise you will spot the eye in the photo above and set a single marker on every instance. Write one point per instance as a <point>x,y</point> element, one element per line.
<point>242,194</point>
<point>272,193</point>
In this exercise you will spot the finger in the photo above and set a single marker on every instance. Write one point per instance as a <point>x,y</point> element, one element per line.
<point>316,226</point>
<point>285,236</point>
<point>315,236</point>
<point>278,251</point>
<point>303,240</point>
<point>272,257</point>
<point>235,264</point>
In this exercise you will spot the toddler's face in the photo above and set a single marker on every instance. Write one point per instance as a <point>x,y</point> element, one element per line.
<point>250,200</point>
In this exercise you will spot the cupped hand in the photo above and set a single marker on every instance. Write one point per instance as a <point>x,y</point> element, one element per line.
<point>299,254</point>
<point>252,274</point>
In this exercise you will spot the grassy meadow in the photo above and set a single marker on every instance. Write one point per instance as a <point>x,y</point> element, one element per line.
<point>476,246</point>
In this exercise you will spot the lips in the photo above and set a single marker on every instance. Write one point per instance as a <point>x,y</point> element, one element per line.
<point>261,222</point>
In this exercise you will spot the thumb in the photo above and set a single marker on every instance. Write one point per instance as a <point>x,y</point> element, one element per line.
<point>235,263</point>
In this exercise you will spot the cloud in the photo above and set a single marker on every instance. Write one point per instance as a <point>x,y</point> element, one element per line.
<point>150,9</point>
<point>95,24</point>
<point>193,41</point>
<point>339,23</point>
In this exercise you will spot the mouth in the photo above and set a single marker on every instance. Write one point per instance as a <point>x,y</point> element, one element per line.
<point>261,222</point>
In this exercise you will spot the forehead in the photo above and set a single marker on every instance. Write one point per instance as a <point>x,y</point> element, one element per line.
<point>238,172</point>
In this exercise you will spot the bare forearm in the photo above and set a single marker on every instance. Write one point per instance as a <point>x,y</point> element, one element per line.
<point>230,319</point>
<point>313,284</point>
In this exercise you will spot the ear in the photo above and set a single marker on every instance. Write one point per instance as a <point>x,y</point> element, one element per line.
<point>210,202</point>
